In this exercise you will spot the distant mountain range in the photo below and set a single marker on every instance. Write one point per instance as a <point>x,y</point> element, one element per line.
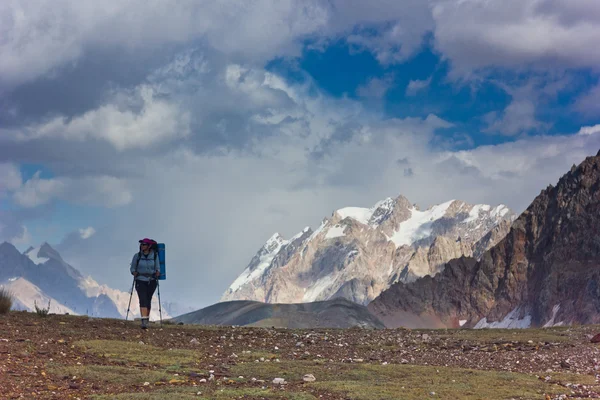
<point>40,276</point>
<point>360,252</point>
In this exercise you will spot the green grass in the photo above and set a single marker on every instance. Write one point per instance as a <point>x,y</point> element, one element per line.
<point>179,393</point>
<point>6,301</point>
<point>111,373</point>
<point>131,352</point>
<point>366,381</point>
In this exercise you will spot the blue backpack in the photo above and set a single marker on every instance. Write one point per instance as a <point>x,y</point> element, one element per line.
<point>159,250</point>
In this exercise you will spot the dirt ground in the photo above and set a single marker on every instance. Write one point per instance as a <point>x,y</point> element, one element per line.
<point>69,357</point>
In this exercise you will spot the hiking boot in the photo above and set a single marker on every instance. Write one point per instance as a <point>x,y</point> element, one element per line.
<point>144,323</point>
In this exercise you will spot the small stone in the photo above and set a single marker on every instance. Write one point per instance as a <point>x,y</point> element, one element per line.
<point>202,380</point>
<point>279,381</point>
<point>404,361</point>
<point>432,393</point>
<point>73,385</point>
<point>146,383</point>
<point>309,378</point>
<point>194,341</point>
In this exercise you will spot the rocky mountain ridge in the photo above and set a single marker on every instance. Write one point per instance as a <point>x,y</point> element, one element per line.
<point>359,252</point>
<point>545,272</point>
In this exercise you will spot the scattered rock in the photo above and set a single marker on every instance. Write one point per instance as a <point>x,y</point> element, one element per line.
<point>309,378</point>
<point>279,381</point>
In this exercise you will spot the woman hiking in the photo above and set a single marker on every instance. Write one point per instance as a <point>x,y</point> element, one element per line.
<point>145,267</point>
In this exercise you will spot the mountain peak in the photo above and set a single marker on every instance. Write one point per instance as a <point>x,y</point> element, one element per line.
<point>47,251</point>
<point>8,248</point>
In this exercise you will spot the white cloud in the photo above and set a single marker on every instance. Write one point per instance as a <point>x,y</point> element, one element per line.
<point>473,34</point>
<point>10,178</point>
<point>98,191</point>
<point>87,233</point>
<point>589,130</point>
<point>375,88</point>
<point>415,86</point>
<point>37,191</point>
<point>46,35</point>
<point>157,121</point>
<point>547,34</point>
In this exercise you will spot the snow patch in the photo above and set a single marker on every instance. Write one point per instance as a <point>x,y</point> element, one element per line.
<point>499,211</point>
<point>299,234</point>
<point>362,215</point>
<point>269,251</point>
<point>335,231</point>
<point>418,226</point>
<point>391,268</point>
<point>462,322</point>
<point>552,322</point>
<point>511,321</point>
<point>317,288</point>
<point>319,230</point>
<point>32,253</point>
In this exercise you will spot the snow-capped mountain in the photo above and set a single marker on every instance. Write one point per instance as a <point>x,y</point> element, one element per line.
<point>359,252</point>
<point>40,276</point>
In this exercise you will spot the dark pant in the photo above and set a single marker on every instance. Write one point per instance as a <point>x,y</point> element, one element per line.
<point>145,291</point>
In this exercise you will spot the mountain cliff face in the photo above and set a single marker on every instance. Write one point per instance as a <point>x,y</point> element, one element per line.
<point>359,252</point>
<point>545,272</point>
<point>40,276</point>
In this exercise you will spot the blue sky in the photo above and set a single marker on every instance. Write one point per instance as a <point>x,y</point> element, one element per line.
<point>210,126</point>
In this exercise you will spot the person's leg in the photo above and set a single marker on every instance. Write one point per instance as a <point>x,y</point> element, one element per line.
<point>150,293</point>
<point>142,291</point>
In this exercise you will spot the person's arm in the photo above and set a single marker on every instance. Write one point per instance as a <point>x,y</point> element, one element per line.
<point>133,266</point>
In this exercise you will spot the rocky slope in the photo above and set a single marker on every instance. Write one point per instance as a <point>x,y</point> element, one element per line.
<point>359,252</point>
<point>546,271</point>
<point>337,313</point>
<point>40,276</point>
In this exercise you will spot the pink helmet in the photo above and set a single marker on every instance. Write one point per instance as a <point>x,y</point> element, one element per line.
<point>147,241</point>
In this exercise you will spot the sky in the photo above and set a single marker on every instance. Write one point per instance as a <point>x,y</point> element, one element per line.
<point>211,125</point>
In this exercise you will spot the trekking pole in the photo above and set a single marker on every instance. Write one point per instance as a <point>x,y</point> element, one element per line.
<point>130,294</point>
<point>159,308</point>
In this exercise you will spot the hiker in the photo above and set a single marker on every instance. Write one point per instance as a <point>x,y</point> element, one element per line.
<point>145,267</point>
